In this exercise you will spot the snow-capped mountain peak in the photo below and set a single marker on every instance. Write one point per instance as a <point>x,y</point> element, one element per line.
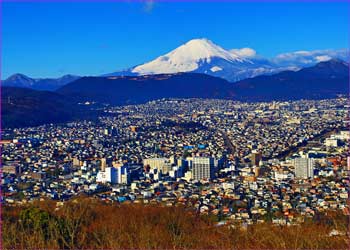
<point>198,49</point>
<point>204,56</point>
<point>188,57</point>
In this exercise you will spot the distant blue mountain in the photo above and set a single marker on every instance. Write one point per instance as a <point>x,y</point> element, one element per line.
<point>23,81</point>
<point>120,90</point>
<point>324,80</point>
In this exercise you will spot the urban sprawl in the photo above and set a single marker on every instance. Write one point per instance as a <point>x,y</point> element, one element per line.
<point>242,162</point>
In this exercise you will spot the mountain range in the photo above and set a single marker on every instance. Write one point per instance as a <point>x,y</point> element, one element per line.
<point>324,80</point>
<point>121,90</point>
<point>23,81</point>
<point>204,56</point>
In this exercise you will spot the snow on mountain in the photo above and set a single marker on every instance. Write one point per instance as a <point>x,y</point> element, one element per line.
<point>215,68</point>
<point>204,56</point>
<point>198,56</point>
<point>188,57</point>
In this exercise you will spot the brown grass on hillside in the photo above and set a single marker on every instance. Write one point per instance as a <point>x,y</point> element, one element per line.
<point>89,224</point>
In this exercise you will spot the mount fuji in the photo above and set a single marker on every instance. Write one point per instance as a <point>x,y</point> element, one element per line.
<point>204,56</point>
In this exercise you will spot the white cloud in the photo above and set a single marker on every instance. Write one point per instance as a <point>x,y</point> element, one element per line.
<point>303,53</point>
<point>149,5</point>
<point>323,58</point>
<point>308,58</point>
<point>244,52</point>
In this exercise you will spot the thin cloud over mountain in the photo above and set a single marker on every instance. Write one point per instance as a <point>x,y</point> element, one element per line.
<point>308,58</point>
<point>244,52</point>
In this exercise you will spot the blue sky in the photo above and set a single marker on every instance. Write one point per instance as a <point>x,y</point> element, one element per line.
<point>53,39</point>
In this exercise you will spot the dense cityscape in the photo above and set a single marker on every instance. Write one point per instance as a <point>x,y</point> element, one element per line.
<point>175,125</point>
<point>240,162</point>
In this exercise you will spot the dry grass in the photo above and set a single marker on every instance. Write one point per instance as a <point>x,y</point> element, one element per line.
<point>89,224</point>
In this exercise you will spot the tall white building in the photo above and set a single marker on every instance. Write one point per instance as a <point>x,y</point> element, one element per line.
<point>304,167</point>
<point>331,142</point>
<point>113,175</point>
<point>109,175</point>
<point>162,164</point>
<point>203,168</point>
<point>122,174</point>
